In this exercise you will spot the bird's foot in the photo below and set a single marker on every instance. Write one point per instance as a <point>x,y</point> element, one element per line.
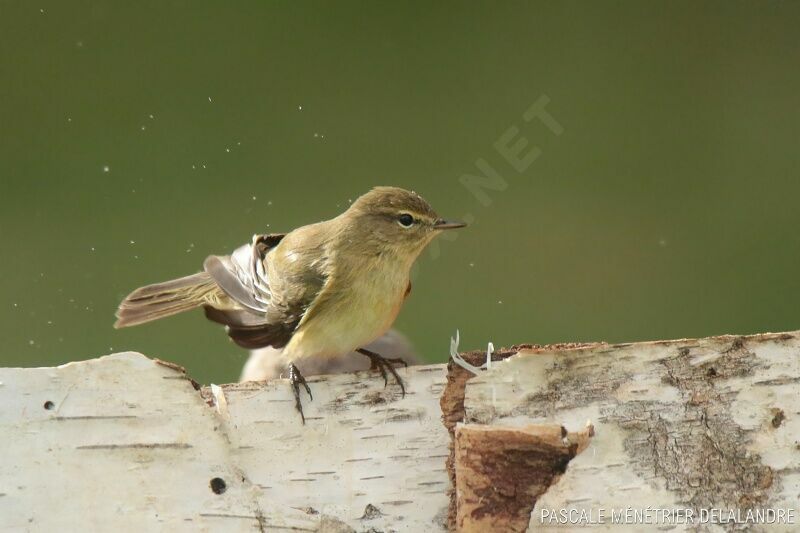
<point>378,362</point>
<point>297,379</point>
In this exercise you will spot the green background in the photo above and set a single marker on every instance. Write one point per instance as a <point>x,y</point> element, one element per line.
<point>667,208</point>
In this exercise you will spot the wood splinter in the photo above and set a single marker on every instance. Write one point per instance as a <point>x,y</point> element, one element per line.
<point>501,471</point>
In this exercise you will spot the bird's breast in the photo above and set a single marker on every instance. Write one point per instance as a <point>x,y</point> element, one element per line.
<point>376,301</point>
<point>362,311</point>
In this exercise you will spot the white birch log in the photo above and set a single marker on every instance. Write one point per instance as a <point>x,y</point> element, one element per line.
<point>127,443</point>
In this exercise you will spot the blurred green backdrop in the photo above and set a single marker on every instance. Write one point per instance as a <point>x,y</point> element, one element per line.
<point>137,138</point>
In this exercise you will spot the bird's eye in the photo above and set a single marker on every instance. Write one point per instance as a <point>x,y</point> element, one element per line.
<point>405,220</point>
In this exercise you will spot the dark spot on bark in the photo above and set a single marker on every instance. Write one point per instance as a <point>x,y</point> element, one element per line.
<point>711,372</point>
<point>778,417</point>
<point>370,512</point>
<point>738,344</point>
<point>373,398</point>
<point>218,485</point>
<point>49,405</point>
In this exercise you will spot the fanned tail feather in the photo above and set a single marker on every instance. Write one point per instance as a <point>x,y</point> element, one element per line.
<point>165,299</point>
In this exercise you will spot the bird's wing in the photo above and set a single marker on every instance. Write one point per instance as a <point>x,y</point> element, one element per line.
<point>241,275</point>
<point>250,330</point>
<point>271,311</point>
<point>326,293</point>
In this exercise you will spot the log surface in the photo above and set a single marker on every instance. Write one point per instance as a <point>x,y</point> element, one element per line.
<point>125,443</point>
<point>132,444</point>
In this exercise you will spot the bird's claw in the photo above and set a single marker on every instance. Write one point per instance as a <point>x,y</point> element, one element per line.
<point>297,379</point>
<point>382,364</point>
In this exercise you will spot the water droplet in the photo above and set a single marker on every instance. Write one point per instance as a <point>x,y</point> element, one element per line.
<point>228,150</point>
<point>472,264</point>
<point>209,98</point>
<point>151,117</point>
<point>30,342</point>
<point>500,301</point>
<point>144,128</point>
<point>133,242</point>
<point>106,168</point>
<point>299,108</point>
<point>69,119</point>
<point>254,198</point>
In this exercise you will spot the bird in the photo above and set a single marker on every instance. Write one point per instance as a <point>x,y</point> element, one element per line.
<point>321,290</point>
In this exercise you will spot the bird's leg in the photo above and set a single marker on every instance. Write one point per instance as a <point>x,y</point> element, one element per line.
<point>378,362</point>
<point>297,379</point>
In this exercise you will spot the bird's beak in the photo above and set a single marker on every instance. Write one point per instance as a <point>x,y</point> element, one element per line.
<point>448,224</point>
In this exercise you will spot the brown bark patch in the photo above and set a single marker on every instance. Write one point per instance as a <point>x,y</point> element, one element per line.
<point>452,401</point>
<point>502,471</point>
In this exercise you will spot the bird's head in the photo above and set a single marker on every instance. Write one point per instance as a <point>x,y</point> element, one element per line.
<point>396,219</point>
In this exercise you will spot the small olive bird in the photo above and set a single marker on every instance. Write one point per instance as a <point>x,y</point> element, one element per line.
<point>322,290</point>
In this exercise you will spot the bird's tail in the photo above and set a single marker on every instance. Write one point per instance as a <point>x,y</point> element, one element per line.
<point>165,299</point>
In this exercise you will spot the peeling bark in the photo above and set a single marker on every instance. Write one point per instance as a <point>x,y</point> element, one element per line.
<point>502,471</point>
<point>452,404</point>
